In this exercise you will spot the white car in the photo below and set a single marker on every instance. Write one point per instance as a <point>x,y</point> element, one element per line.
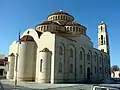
<point>101,87</point>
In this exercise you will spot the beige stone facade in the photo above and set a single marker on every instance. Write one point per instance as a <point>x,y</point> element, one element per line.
<point>59,50</point>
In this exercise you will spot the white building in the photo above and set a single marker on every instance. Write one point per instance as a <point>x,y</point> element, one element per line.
<point>3,67</point>
<point>59,50</point>
<point>115,74</point>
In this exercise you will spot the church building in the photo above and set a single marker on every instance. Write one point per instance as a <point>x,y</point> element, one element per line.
<point>59,51</point>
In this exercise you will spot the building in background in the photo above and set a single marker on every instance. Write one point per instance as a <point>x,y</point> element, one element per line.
<point>3,65</point>
<point>59,50</point>
<point>115,74</point>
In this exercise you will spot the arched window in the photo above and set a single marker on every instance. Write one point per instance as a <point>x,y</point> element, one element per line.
<point>105,70</point>
<point>101,28</point>
<point>53,18</point>
<point>101,39</point>
<point>44,27</point>
<point>68,18</point>
<point>76,29</point>
<point>80,55</point>
<point>60,50</point>
<point>56,28</point>
<point>28,32</point>
<point>67,28</point>
<point>41,61</point>
<point>81,69</point>
<point>95,69</point>
<point>79,29</point>
<point>73,28</point>
<point>41,27</point>
<point>100,70</point>
<point>70,28</point>
<point>100,59</point>
<point>64,17</point>
<point>88,57</point>
<point>58,17</point>
<point>71,52</point>
<point>95,58</point>
<point>61,17</point>
<point>60,67</point>
<point>71,68</point>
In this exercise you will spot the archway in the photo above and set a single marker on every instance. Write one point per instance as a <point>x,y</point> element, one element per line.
<point>1,72</point>
<point>88,73</point>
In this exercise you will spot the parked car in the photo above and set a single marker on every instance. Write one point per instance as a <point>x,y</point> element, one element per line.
<point>103,87</point>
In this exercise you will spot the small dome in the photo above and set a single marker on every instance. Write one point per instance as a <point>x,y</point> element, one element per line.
<point>73,24</point>
<point>27,38</point>
<point>45,50</point>
<point>49,22</point>
<point>102,23</point>
<point>12,54</point>
<point>60,12</point>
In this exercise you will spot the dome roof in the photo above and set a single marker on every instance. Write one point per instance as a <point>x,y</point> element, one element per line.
<point>102,23</point>
<point>45,50</point>
<point>12,54</point>
<point>49,22</point>
<point>27,38</point>
<point>61,13</point>
<point>73,24</point>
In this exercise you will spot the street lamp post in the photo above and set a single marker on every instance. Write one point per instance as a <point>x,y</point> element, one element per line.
<point>16,66</point>
<point>16,69</point>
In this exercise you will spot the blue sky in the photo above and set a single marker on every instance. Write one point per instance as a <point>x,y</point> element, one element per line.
<point>20,15</point>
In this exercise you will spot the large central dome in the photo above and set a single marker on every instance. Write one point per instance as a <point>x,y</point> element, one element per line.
<point>60,15</point>
<point>61,22</point>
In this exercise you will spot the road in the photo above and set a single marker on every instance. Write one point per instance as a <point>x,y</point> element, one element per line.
<point>9,85</point>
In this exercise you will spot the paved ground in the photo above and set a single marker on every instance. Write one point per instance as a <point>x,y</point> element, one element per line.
<point>9,85</point>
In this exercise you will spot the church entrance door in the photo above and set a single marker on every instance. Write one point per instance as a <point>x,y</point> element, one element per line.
<point>88,73</point>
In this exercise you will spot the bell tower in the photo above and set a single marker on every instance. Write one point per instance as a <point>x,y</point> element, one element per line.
<point>103,40</point>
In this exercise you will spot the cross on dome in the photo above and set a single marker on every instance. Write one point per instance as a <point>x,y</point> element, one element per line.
<point>61,10</point>
<point>102,22</point>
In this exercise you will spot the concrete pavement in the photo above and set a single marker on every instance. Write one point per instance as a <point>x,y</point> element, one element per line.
<point>9,85</point>
<point>32,85</point>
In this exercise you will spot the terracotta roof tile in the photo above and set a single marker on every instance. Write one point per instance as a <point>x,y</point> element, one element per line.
<point>27,38</point>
